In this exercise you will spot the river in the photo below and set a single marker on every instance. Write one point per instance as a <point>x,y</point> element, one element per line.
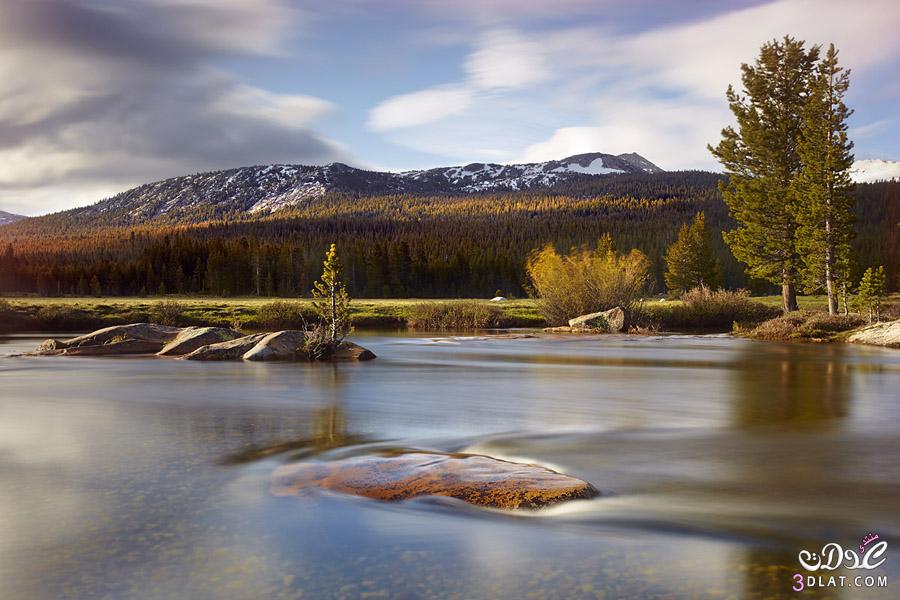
<point>718,459</point>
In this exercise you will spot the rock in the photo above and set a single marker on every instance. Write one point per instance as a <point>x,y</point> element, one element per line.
<point>118,347</point>
<point>230,350</point>
<point>498,299</point>
<point>879,334</point>
<point>612,320</point>
<point>477,479</point>
<point>348,351</point>
<point>281,345</point>
<point>155,335</point>
<point>191,338</point>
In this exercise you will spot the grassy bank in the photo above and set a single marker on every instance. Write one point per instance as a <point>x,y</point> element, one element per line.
<point>85,313</point>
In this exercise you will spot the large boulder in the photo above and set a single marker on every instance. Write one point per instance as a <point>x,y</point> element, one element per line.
<point>281,345</point>
<point>612,320</point>
<point>230,350</point>
<point>155,336</point>
<point>191,338</point>
<point>477,479</point>
<point>114,348</point>
<point>879,334</point>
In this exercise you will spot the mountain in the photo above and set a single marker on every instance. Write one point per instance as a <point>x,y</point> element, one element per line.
<point>7,218</point>
<point>866,171</point>
<point>481,177</point>
<point>261,190</point>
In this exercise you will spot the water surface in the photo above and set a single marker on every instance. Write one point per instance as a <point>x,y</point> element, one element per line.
<point>718,458</point>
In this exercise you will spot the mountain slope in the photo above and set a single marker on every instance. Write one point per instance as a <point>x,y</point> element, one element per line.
<point>869,170</point>
<point>6,218</point>
<point>261,190</point>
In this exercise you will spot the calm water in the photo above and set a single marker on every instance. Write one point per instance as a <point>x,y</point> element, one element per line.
<point>720,459</point>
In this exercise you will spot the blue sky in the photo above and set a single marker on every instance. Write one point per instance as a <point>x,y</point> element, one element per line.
<point>100,95</point>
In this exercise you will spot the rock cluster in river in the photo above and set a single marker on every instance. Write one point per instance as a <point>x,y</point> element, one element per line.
<point>474,478</point>
<point>194,343</point>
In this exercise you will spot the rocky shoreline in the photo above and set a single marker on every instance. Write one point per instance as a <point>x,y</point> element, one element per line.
<point>195,343</point>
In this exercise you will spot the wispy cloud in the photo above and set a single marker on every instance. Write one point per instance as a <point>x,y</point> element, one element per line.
<point>98,96</point>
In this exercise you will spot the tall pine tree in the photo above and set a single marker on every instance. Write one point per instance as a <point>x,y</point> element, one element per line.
<point>761,160</point>
<point>823,185</point>
<point>691,260</point>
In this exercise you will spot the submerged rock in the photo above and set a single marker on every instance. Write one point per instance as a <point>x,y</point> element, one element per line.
<point>879,334</point>
<point>154,337</point>
<point>230,350</point>
<point>281,345</point>
<point>348,351</point>
<point>474,478</point>
<point>191,338</point>
<point>612,320</point>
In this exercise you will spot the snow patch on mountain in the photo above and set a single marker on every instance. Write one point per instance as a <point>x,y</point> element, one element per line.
<point>594,168</point>
<point>869,170</point>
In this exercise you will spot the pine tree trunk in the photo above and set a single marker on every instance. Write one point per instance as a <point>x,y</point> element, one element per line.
<point>788,297</point>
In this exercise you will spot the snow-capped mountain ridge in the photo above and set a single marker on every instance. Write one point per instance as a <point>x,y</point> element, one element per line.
<point>479,177</point>
<point>262,190</point>
<point>869,170</point>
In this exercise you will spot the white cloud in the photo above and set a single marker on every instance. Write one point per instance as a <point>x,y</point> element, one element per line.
<point>659,92</point>
<point>418,108</point>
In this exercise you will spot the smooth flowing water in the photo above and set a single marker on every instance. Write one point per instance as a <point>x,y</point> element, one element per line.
<point>719,460</point>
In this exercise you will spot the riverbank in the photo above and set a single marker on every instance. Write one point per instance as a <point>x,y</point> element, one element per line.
<point>70,314</point>
<point>88,313</point>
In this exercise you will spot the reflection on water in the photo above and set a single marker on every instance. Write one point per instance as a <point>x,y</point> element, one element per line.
<point>719,459</point>
<point>790,384</point>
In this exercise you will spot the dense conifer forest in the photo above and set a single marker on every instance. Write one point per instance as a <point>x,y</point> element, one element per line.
<point>400,246</point>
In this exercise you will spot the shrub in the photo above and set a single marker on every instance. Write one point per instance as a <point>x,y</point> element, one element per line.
<point>586,281</point>
<point>805,325</point>
<point>703,308</point>
<point>282,314</point>
<point>457,315</point>
<point>318,343</point>
<point>168,312</point>
<point>61,318</point>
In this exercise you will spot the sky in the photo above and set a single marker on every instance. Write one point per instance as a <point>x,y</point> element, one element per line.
<point>97,96</point>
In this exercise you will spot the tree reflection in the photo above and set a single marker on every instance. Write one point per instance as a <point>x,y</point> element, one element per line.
<point>799,384</point>
<point>327,430</point>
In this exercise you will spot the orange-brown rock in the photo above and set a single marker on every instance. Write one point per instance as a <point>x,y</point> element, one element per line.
<point>477,479</point>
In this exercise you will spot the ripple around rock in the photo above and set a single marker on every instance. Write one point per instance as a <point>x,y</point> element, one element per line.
<point>474,478</point>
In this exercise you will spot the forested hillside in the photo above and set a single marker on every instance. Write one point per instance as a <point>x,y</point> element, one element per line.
<point>398,245</point>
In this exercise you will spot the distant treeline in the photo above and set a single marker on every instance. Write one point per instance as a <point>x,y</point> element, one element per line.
<point>397,246</point>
